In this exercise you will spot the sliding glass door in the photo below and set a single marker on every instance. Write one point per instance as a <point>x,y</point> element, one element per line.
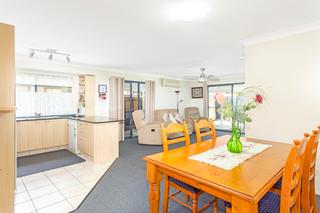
<point>133,100</point>
<point>221,99</point>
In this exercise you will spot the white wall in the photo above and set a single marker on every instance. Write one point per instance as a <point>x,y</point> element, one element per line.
<point>288,69</point>
<point>165,96</point>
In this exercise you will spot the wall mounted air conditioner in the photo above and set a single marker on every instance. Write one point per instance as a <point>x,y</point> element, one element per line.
<point>165,82</point>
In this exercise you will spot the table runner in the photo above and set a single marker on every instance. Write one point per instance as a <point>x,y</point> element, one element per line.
<point>222,158</point>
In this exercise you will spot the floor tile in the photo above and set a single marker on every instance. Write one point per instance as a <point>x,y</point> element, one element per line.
<point>47,200</point>
<point>57,178</point>
<point>20,187</point>
<point>25,207</point>
<point>74,190</point>
<point>89,177</point>
<point>59,171</point>
<point>41,191</point>
<point>18,181</point>
<point>90,184</point>
<point>37,183</point>
<point>74,167</point>
<point>37,176</point>
<point>61,207</point>
<point>75,201</point>
<point>67,182</point>
<point>81,172</point>
<point>21,197</point>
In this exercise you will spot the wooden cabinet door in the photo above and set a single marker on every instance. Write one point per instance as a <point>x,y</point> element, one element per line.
<point>35,129</point>
<point>85,138</point>
<point>48,134</point>
<point>61,131</point>
<point>29,135</point>
<point>22,136</point>
<point>89,138</point>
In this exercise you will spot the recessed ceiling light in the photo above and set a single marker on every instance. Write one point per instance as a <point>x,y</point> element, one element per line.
<point>188,11</point>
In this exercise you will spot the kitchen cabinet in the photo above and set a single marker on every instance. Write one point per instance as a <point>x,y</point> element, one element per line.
<point>41,134</point>
<point>29,135</point>
<point>85,136</point>
<point>61,131</point>
<point>99,140</point>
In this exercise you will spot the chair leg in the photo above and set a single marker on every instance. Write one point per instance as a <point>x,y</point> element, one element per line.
<point>194,204</point>
<point>166,195</point>
<point>228,210</point>
<point>186,197</point>
<point>215,206</point>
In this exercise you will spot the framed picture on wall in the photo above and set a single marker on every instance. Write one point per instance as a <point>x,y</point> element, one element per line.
<point>197,92</point>
<point>102,88</point>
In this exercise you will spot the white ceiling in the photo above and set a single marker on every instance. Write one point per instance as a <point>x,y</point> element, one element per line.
<point>141,36</point>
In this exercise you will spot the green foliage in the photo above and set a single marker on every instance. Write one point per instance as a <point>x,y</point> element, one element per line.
<point>226,110</point>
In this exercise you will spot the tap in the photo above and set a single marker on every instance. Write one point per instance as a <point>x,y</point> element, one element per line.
<point>38,115</point>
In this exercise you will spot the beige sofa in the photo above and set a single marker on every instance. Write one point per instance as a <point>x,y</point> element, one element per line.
<point>190,115</point>
<point>159,113</point>
<point>148,133</point>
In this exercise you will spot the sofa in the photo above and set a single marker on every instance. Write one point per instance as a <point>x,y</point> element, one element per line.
<point>159,113</point>
<point>148,133</point>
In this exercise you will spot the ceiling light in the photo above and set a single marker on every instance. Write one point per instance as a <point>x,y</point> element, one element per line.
<point>51,52</point>
<point>31,54</point>
<point>188,11</point>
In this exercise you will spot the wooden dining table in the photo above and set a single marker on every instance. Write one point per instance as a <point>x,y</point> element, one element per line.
<point>243,186</point>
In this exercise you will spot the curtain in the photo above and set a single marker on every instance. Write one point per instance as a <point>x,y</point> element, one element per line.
<point>150,89</point>
<point>116,107</point>
<point>205,101</point>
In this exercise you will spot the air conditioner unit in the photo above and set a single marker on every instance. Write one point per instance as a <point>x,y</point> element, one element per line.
<point>165,82</point>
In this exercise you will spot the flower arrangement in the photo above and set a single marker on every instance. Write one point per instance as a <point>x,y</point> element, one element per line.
<point>247,100</point>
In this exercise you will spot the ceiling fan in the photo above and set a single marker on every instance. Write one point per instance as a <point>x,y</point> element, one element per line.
<point>202,78</point>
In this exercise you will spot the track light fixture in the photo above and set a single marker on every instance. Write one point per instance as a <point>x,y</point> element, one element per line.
<point>51,52</point>
<point>31,54</point>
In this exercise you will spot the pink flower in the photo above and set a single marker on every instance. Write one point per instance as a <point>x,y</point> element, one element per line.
<point>220,98</point>
<point>259,99</point>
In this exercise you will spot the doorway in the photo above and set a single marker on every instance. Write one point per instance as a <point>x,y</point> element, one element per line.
<point>134,94</point>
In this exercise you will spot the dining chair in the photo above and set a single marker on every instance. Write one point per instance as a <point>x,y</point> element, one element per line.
<point>289,198</point>
<point>188,190</point>
<point>204,128</point>
<point>308,194</point>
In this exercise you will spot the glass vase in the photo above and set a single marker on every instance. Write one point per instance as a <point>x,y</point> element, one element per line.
<point>234,144</point>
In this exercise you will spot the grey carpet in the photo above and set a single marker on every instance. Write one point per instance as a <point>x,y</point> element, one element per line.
<point>42,162</point>
<point>124,188</point>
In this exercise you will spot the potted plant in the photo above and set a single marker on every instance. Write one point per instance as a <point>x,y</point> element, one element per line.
<point>247,100</point>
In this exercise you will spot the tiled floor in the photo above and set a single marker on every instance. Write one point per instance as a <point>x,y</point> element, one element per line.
<point>59,190</point>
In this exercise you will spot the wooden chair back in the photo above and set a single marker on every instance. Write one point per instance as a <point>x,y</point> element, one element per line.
<point>181,130</point>
<point>308,195</point>
<point>291,179</point>
<point>209,128</point>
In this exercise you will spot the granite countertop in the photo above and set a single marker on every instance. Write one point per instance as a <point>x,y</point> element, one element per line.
<point>89,119</point>
<point>96,119</point>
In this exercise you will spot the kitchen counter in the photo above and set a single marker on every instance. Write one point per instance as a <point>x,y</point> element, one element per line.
<point>89,119</point>
<point>96,119</point>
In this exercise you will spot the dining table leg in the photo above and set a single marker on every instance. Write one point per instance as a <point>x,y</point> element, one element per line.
<point>154,178</point>
<point>243,206</point>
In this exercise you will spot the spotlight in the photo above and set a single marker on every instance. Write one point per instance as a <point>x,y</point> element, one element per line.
<point>68,59</point>
<point>31,54</point>
<point>50,57</point>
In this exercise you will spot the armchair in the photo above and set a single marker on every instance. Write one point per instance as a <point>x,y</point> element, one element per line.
<point>148,133</point>
<point>192,114</point>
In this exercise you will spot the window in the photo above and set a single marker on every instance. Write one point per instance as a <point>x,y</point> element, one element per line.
<point>45,94</point>
<point>222,96</point>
